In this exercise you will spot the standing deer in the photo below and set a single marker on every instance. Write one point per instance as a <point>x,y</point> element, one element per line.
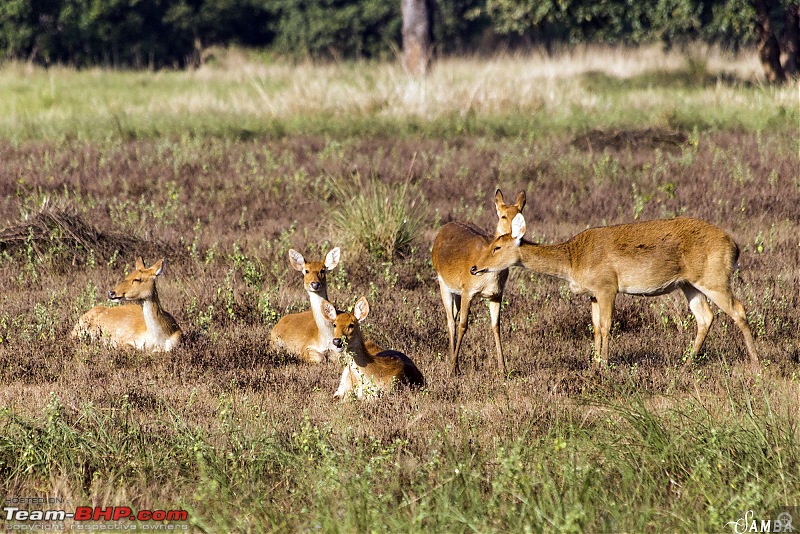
<point>144,324</point>
<point>646,258</point>
<point>455,250</point>
<point>307,334</point>
<point>371,370</point>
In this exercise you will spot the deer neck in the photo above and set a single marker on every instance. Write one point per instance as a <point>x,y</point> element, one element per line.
<point>323,325</point>
<point>154,317</point>
<point>552,260</point>
<point>356,347</point>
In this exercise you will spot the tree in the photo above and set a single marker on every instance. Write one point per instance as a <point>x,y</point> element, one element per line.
<point>769,50</point>
<point>416,35</point>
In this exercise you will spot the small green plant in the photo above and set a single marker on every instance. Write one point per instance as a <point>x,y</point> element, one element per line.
<point>376,217</point>
<point>639,201</point>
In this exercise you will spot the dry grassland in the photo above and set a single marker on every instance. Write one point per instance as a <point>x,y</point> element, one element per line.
<point>248,439</point>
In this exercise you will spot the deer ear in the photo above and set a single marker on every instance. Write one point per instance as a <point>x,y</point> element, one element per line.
<point>328,310</point>
<point>296,260</point>
<point>520,203</point>
<point>332,259</point>
<point>361,309</point>
<point>518,226</point>
<point>159,266</point>
<point>140,264</point>
<point>498,200</point>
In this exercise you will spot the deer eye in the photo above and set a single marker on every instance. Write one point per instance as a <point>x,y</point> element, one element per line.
<point>137,280</point>
<point>496,249</point>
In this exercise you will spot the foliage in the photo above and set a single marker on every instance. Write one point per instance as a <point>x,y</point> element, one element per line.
<point>335,28</point>
<point>131,32</point>
<point>667,21</point>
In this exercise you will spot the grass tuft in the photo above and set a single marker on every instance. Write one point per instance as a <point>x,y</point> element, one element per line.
<point>376,217</point>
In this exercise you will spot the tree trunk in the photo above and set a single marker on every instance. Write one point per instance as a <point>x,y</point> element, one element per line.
<point>416,36</point>
<point>792,65</point>
<point>769,50</point>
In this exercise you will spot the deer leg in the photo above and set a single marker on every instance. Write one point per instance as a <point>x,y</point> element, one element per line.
<point>448,299</point>
<point>596,328</point>
<point>494,311</point>
<point>602,310</point>
<point>463,315</point>
<point>345,384</point>
<point>703,316</point>
<point>312,356</point>
<point>735,310</point>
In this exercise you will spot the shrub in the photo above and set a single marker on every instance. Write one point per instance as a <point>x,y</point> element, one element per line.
<point>376,217</point>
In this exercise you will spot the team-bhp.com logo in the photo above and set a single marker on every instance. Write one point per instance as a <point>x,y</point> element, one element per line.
<point>122,516</point>
<point>749,523</point>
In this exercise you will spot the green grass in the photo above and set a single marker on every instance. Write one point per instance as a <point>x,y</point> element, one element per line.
<point>622,466</point>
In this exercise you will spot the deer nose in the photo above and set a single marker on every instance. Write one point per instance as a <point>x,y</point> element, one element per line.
<point>473,269</point>
<point>337,342</point>
<point>315,286</point>
<point>112,295</point>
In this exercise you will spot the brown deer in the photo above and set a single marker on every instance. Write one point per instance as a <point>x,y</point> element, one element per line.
<point>645,258</point>
<point>371,370</point>
<point>307,334</point>
<point>143,325</point>
<point>455,250</point>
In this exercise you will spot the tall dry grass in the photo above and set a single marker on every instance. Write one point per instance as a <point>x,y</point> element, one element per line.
<point>241,96</point>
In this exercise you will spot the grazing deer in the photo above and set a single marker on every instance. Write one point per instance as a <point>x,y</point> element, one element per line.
<point>646,258</point>
<point>144,325</point>
<point>455,250</point>
<point>307,334</point>
<point>371,370</point>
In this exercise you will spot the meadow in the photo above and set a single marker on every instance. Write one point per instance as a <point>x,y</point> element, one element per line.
<point>225,168</point>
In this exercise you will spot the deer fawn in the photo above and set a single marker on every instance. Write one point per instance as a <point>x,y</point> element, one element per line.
<point>646,258</point>
<point>144,325</point>
<point>308,334</point>
<point>455,250</point>
<point>371,370</point>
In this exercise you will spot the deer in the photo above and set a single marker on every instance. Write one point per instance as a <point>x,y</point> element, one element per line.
<point>307,334</point>
<point>455,250</point>
<point>647,258</point>
<point>370,370</point>
<point>143,325</point>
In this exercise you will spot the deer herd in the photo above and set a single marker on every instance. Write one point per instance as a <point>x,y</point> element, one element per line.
<point>644,258</point>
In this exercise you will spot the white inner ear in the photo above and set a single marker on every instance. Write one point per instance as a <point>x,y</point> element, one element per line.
<point>361,311</point>
<point>518,226</point>
<point>329,311</point>
<point>296,259</point>
<point>332,259</point>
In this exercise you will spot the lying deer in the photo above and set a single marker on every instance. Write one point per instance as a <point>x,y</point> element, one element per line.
<point>307,334</point>
<point>144,324</point>
<point>646,258</point>
<point>371,370</point>
<point>455,250</point>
